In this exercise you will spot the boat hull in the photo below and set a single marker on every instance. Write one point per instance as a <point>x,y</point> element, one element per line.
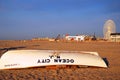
<point>38,58</point>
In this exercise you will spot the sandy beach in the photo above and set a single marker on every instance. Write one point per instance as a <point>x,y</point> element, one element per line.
<point>108,50</point>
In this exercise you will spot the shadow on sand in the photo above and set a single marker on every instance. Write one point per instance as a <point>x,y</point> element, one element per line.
<point>106,61</point>
<point>13,48</point>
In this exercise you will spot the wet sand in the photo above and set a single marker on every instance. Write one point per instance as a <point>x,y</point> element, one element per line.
<point>108,50</point>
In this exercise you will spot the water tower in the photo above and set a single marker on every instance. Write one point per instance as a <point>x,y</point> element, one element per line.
<point>109,27</point>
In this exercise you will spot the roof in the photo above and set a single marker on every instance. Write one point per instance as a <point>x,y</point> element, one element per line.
<point>115,34</point>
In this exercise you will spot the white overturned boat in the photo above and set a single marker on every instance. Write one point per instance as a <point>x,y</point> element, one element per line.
<point>37,58</point>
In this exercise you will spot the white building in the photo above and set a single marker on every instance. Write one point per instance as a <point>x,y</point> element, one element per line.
<point>76,38</point>
<point>115,37</point>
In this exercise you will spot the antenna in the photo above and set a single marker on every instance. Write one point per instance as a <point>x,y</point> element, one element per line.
<point>109,27</point>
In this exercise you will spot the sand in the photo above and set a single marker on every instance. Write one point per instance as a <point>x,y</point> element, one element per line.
<point>108,50</point>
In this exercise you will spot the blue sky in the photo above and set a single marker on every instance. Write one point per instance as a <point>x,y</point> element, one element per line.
<point>25,19</point>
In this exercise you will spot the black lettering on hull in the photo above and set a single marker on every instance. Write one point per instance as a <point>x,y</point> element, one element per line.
<point>43,61</point>
<point>63,60</point>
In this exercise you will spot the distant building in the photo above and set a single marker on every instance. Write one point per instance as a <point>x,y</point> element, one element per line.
<point>115,37</point>
<point>37,39</point>
<point>75,38</point>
